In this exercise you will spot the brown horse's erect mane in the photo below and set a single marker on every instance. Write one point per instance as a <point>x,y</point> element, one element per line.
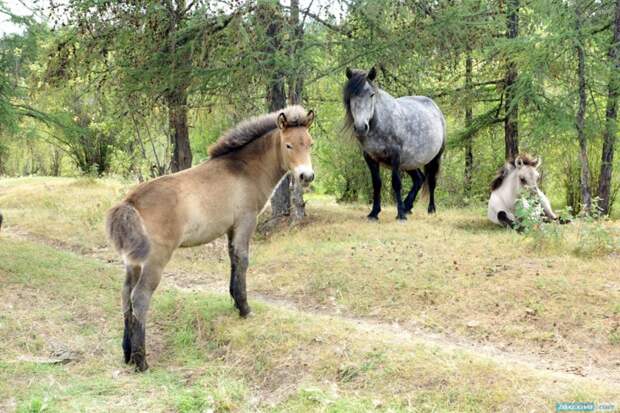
<point>253,128</point>
<point>503,172</point>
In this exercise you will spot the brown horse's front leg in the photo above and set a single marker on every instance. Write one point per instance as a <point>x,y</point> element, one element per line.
<point>238,248</point>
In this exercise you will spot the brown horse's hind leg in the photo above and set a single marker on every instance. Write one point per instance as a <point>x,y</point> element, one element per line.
<point>140,300</point>
<point>131,278</point>
<point>238,249</point>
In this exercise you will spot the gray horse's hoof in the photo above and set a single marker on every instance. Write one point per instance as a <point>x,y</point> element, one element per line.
<point>245,311</point>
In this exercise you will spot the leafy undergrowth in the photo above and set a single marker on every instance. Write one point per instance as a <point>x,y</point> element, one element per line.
<point>205,358</point>
<point>453,273</point>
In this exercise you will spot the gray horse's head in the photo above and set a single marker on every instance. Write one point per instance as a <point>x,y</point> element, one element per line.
<point>359,99</point>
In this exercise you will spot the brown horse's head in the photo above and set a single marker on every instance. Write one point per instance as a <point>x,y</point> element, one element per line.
<point>296,144</point>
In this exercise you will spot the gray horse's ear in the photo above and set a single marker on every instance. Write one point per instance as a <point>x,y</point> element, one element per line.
<point>309,118</point>
<point>349,73</point>
<point>372,74</point>
<point>282,123</point>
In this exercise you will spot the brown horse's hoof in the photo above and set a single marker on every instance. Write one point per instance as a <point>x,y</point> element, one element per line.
<point>139,361</point>
<point>141,366</point>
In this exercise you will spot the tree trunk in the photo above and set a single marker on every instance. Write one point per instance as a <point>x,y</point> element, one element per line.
<point>607,158</point>
<point>179,132</point>
<point>511,106</point>
<point>586,197</point>
<point>469,155</point>
<point>295,90</point>
<point>270,16</point>
<point>177,95</point>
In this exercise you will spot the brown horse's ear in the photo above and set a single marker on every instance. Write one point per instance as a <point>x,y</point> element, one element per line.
<point>538,162</point>
<point>282,123</point>
<point>349,73</point>
<point>309,118</point>
<point>372,74</point>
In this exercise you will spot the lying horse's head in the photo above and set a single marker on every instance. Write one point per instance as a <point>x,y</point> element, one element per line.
<point>296,143</point>
<point>527,171</point>
<point>523,169</point>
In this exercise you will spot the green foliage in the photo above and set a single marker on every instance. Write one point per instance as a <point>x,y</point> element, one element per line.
<point>72,102</point>
<point>595,236</point>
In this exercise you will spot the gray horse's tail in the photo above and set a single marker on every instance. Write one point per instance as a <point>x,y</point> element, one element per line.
<point>126,230</point>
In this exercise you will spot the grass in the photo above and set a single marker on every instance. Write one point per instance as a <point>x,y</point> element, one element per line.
<point>203,356</point>
<point>453,273</point>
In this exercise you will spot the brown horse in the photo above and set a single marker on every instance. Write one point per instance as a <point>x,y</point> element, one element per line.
<point>221,196</point>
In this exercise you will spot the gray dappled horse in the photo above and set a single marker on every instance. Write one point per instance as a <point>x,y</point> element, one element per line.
<point>406,133</point>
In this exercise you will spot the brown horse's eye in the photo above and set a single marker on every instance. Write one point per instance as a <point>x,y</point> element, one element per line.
<point>289,146</point>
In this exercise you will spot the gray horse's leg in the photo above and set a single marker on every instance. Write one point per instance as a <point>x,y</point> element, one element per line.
<point>238,247</point>
<point>140,300</point>
<point>431,170</point>
<point>397,187</point>
<point>131,278</point>
<point>373,166</point>
<point>418,180</point>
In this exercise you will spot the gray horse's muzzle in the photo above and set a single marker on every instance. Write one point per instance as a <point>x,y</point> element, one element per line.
<point>361,130</point>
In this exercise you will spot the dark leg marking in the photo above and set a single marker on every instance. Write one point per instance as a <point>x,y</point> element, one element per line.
<point>418,180</point>
<point>431,170</point>
<point>503,218</point>
<point>131,278</point>
<point>238,247</point>
<point>397,187</point>
<point>373,166</point>
<point>233,265</point>
<point>140,301</point>
<point>138,347</point>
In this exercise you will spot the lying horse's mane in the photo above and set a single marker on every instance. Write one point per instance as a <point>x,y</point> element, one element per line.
<point>353,87</point>
<point>253,128</point>
<point>503,172</point>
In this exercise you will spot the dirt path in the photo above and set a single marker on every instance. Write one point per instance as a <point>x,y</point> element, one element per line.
<point>395,333</point>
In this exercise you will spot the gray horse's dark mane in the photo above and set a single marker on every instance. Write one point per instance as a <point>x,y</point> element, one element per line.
<point>503,172</point>
<point>353,87</point>
<point>253,128</point>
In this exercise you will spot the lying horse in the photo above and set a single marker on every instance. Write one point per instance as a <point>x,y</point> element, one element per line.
<point>406,133</point>
<point>511,179</point>
<point>221,196</point>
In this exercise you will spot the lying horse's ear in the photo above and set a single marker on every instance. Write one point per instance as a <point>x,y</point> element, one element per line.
<point>372,74</point>
<point>538,162</point>
<point>518,162</point>
<point>349,73</point>
<point>309,118</point>
<point>282,123</point>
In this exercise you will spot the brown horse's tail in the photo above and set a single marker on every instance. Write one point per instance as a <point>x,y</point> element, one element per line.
<point>126,230</point>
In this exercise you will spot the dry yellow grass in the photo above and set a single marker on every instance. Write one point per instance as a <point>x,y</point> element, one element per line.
<point>453,274</point>
<point>204,357</point>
